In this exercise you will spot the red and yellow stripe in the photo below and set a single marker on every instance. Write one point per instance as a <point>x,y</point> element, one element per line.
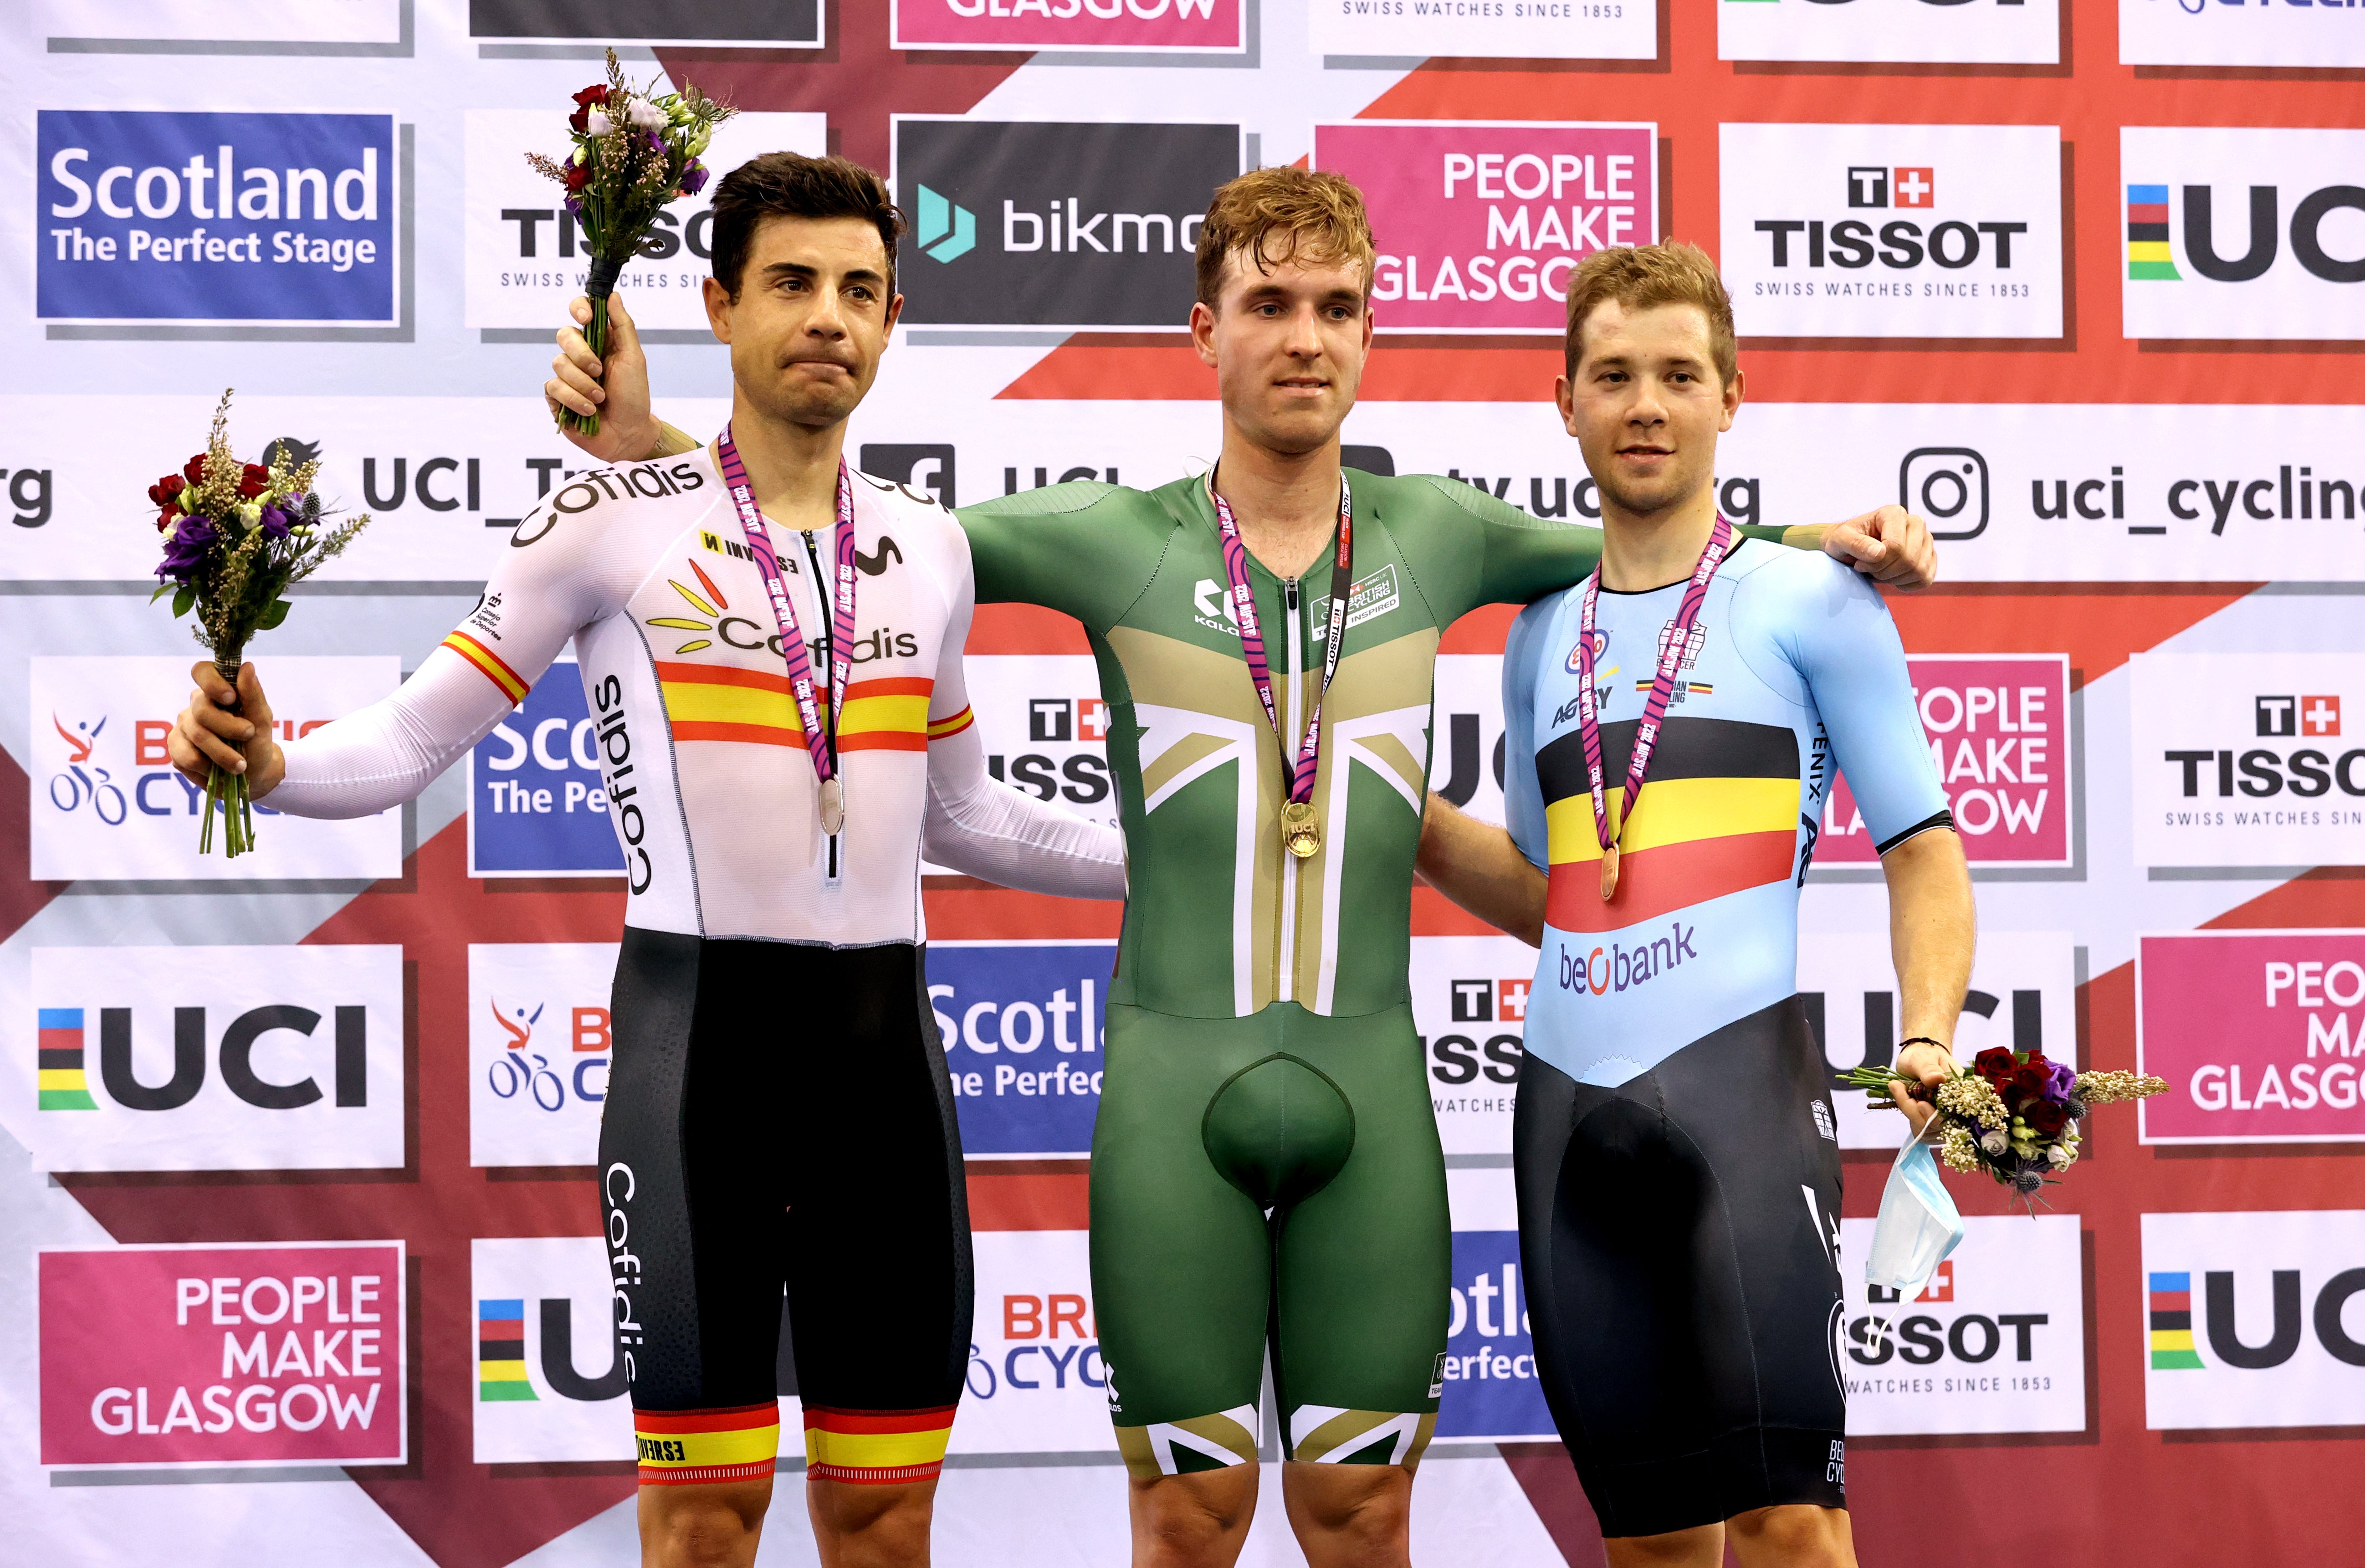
<point>683,1448</point>
<point>951,724</point>
<point>1691,840</point>
<point>876,1448</point>
<point>717,702</point>
<point>513,685</point>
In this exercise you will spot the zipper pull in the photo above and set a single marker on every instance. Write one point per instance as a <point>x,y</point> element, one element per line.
<point>1289,591</point>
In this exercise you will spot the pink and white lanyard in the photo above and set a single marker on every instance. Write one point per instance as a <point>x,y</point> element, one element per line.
<point>1655,709</point>
<point>820,739</point>
<point>1304,765</point>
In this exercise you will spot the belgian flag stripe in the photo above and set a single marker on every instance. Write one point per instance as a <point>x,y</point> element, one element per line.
<point>1688,748</point>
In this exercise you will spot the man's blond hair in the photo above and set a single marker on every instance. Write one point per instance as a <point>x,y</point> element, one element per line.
<point>1640,276</point>
<point>1274,215</point>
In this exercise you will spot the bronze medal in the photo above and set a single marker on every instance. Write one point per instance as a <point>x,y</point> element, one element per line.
<point>1301,832</point>
<point>1609,872</point>
<point>833,807</point>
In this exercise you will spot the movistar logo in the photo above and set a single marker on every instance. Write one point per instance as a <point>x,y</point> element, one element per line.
<point>947,232</point>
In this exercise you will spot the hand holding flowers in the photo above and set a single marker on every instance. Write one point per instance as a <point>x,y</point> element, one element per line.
<point>2016,1115</point>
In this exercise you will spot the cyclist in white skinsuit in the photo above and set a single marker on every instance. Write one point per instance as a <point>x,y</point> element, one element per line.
<point>779,1115</point>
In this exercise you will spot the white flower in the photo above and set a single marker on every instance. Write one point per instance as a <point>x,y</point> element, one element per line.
<point>597,123</point>
<point>1995,1143</point>
<point>645,114</point>
<point>2061,1154</point>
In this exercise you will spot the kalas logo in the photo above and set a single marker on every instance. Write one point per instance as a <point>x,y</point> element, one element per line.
<point>1901,244</point>
<point>2151,254</point>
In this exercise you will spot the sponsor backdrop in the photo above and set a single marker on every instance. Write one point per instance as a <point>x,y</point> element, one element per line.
<point>295,1154</point>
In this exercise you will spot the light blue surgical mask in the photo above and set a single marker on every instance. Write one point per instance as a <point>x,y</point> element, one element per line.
<point>1919,1224</point>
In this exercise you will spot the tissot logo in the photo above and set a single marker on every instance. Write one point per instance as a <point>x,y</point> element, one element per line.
<point>1943,231</point>
<point>2243,233</point>
<point>2240,760</point>
<point>1047,225</point>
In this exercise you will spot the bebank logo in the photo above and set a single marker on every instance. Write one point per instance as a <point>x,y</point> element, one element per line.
<point>1998,728</point>
<point>2236,32</point>
<point>217,1058</point>
<point>2254,1319</point>
<point>1893,231</point>
<point>2240,760</point>
<point>2258,1034</point>
<point>1022,1024</point>
<point>1480,224</point>
<point>1995,1342</point>
<point>539,1044</point>
<point>2021,32</point>
<point>223,1355</point>
<point>107,803</point>
<point>551,1383</point>
<point>1074,226</point>
<point>1201,27</point>
<point>285,219</point>
<point>1489,1372</point>
<point>526,255</point>
<point>536,803</point>
<point>2243,233</point>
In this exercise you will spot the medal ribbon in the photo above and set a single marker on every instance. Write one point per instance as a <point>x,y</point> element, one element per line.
<point>1655,709</point>
<point>1342,570</point>
<point>820,739</point>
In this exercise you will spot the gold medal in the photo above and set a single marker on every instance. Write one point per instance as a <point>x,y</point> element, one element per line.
<point>1609,872</point>
<point>1301,834</point>
<point>833,808</point>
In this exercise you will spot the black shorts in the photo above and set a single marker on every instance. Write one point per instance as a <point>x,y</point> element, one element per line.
<point>1681,1238</point>
<point>779,1119</point>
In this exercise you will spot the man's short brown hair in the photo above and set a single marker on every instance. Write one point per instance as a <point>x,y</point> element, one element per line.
<point>793,186</point>
<point>1274,215</point>
<point>1640,277</point>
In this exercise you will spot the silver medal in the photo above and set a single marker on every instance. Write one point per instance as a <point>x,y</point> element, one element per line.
<point>833,807</point>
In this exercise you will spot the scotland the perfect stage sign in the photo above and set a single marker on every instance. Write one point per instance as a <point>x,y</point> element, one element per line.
<point>262,218</point>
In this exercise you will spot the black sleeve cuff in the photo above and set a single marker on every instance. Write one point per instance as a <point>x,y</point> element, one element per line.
<point>1942,819</point>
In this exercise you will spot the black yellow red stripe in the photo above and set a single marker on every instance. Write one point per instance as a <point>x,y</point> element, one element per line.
<point>951,724</point>
<point>513,685</point>
<point>876,1448</point>
<point>683,1448</point>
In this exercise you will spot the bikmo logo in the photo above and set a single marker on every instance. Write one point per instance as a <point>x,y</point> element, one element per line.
<point>522,1070</point>
<point>948,231</point>
<point>1036,1322</point>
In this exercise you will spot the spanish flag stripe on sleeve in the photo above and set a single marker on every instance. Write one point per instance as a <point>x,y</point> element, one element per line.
<point>672,673</point>
<point>950,725</point>
<point>513,685</point>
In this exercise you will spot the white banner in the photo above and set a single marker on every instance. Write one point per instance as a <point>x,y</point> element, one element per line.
<point>108,803</point>
<point>1037,1382</point>
<point>2254,1319</point>
<point>549,1387</point>
<point>1414,29</point>
<point>1892,230</point>
<point>212,1058</point>
<point>2240,760</point>
<point>2200,32</point>
<point>1964,31</point>
<point>1470,1003</point>
<point>1996,1342</point>
<point>540,1041</point>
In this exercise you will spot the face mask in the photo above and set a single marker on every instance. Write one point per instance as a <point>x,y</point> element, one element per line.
<point>1919,1224</point>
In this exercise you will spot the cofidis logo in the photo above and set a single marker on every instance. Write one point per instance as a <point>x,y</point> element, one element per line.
<point>2255,234</point>
<point>2254,1319</point>
<point>280,218</point>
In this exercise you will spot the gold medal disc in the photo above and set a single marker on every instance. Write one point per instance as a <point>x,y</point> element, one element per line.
<point>833,807</point>
<point>1301,833</point>
<point>1609,872</point>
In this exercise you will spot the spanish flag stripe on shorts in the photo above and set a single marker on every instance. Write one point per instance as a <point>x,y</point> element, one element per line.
<point>876,1448</point>
<point>681,1448</point>
<point>513,685</point>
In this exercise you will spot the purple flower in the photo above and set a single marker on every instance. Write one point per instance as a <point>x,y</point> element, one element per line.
<point>693,177</point>
<point>574,205</point>
<point>275,523</point>
<point>2064,1079</point>
<point>186,551</point>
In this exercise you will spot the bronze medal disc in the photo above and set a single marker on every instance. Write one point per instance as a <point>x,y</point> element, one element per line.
<point>1609,872</point>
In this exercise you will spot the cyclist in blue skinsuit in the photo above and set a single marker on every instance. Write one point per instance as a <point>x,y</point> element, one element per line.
<point>1675,1151</point>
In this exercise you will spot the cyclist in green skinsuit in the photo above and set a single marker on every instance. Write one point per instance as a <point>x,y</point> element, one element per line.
<point>1266,1165</point>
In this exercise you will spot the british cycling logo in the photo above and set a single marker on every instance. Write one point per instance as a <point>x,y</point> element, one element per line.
<point>525,1074</point>
<point>194,217</point>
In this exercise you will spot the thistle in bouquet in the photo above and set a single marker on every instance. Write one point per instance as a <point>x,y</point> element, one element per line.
<point>235,535</point>
<point>634,151</point>
<point>2017,1115</point>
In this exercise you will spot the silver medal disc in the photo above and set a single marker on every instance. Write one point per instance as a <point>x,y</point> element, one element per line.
<point>833,807</point>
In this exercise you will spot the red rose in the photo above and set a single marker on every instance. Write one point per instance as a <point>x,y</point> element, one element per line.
<point>1992,1063</point>
<point>162,491</point>
<point>253,480</point>
<point>579,121</point>
<point>2030,1080</point>
<point>2045,1115</point>
<point>578,176</point>
<point>590,96</point>
<point>164,518</point>
<point>195,469</point>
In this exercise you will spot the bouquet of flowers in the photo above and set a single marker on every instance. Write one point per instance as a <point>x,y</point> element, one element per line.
<point>633,153</point>
<point>2015,1115</point>
<point>235,535</point>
